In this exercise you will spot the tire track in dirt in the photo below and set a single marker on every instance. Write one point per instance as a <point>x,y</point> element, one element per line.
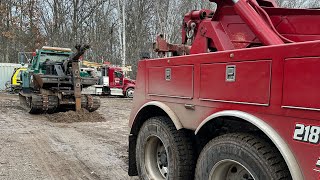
<point>42,157</point>
<point>62,167</point>
<point>38,149</point>
<point>53,164</point>
<point>98,157</point>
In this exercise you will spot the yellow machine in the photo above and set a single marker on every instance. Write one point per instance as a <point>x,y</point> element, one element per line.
<point>16,79</point>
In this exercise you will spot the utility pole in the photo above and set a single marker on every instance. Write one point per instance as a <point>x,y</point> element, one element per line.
<point>120,29</point>
<point>124,33</point>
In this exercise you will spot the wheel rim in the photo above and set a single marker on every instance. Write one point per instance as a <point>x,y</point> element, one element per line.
<point>230,170</point>
<point>130,93</point>
<point>156,159</point>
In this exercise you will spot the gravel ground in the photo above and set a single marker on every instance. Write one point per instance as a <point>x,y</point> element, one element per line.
<point>45,147</point>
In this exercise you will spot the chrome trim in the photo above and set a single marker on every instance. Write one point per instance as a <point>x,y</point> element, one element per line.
<point>167,74</point>
<point>228,67</point>
<point>317,170</point>
<point>190,106</point>
<point>235,102</point>
<point>301,108</point>
<point>165,108</point>
<point>221,170</point>
<point>235,1</point>
<point>281,145</point>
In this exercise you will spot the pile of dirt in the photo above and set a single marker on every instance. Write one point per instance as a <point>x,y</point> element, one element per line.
<point>72,116</point>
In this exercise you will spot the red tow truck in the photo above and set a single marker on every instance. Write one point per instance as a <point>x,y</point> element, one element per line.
<point>239,99</point>
<point>111,82</point>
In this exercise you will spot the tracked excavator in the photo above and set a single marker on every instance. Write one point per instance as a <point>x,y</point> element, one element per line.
<point>53,82</point>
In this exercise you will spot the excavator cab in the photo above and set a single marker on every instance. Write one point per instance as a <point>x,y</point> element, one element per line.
<point>16,80</point>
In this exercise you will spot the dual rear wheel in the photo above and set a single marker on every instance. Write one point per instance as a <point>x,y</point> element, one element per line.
<point>162,152</point>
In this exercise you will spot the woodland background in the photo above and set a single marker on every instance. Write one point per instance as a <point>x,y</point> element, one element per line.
<point>26,25</point>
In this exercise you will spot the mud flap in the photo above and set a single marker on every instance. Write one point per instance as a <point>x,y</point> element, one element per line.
<point>132,171</point>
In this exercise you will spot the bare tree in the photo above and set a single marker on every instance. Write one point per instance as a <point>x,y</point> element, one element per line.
<point>26,25</point>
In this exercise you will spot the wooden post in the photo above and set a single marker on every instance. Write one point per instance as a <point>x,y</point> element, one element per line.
<point>76,84</point>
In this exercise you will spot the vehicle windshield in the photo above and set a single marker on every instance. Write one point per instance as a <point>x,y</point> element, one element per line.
<point>53,57</point>
<point>118,74</point>
<point>99,73</point>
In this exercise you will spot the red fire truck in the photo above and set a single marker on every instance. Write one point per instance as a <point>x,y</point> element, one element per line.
<point>239,99</point>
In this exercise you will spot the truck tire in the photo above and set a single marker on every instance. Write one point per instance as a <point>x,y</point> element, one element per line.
<point>241,156</point>
<point>162,152</point>
<point>129,93</point>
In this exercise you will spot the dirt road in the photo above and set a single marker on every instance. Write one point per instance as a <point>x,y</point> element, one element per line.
<point>33,147</point>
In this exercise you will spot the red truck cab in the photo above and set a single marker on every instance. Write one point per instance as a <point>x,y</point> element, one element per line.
<point>243,103</point>
<point>113,82</point>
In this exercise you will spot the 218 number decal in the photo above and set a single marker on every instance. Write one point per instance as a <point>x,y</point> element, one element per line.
<point>310,134</point>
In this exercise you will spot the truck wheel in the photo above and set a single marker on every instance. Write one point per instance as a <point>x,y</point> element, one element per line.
<point>240,156</point>
<point>163,152</point>
<point>129,92</point>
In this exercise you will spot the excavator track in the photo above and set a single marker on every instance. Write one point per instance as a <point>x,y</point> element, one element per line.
<point>32,104</point>
<point>89,102</point>
<point>53,104</point>
<point>37,104</point>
